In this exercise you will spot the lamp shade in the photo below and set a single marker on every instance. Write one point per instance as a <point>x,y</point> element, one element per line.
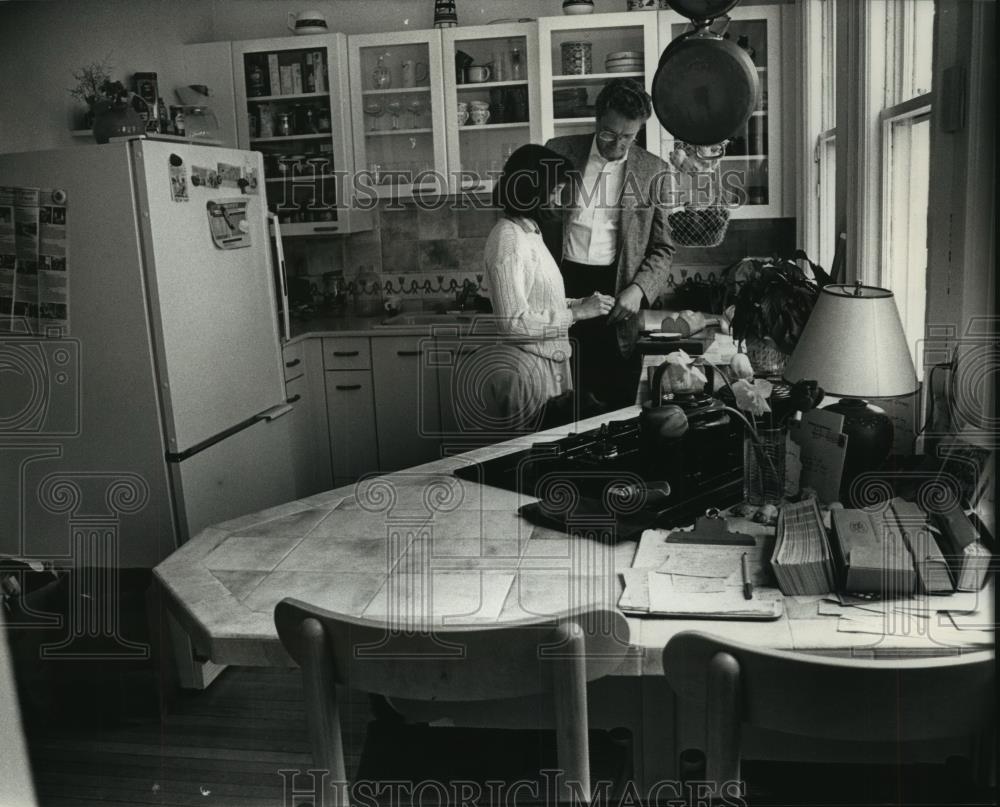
<point>853,345</point>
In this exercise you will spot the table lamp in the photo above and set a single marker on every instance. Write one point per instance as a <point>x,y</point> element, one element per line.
<point>853,345</point>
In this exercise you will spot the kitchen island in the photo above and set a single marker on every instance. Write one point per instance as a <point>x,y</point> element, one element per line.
<point>420,546</point>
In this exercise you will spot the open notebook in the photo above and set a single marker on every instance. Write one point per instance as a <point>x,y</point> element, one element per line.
<point>696,581</point>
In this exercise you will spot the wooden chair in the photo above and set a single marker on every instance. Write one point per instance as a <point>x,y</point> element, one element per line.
<point>555,658</point>
<point>822,696</point>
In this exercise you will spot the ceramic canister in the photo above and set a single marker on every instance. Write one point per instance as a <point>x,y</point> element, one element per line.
<point>577,58</point>
<point>463,112</point>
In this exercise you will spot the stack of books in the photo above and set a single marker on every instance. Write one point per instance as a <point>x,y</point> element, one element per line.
<point>933,574</point>
<point>802,562</point>
<point>870,554</point>
<point>968,558</point>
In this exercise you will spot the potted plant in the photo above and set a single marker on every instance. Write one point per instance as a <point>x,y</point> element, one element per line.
<point>768,303</point>
<point>113,110</point>
<point>90,81</point>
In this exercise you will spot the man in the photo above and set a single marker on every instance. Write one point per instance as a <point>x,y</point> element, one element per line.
<point>615,240</point>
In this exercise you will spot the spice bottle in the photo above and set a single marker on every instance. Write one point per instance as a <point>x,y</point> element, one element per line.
<point>179,126</point>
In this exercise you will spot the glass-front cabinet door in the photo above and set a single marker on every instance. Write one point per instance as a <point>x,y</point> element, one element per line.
<point>492,103</point>
<point>578,55</point>
<point>751,166</point>
<point>397,98</point>
<point>292,106</point>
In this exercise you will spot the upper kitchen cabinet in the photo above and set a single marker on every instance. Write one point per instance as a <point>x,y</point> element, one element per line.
<point>751,166</point>
<point>292,106</point>
<point>397,98</point>
<point>492,103</point>
<point>578,55</point>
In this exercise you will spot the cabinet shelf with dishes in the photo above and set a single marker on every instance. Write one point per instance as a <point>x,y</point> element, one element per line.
<point>291,101</point>
<point>578,55</point>
<point>596,78</point>
<point>488,85</point>
<point>396,91</point>
<point>752,165</point>
<point>391,132</point>
<point>486,121</point>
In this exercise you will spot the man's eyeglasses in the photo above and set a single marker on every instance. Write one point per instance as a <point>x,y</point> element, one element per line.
<point>613,137</point>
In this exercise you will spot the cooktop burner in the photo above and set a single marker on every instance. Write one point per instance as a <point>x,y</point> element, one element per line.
<point>610,475</point>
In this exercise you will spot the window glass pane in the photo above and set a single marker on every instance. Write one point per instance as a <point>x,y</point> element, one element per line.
<point>905,268</point>
<point>827,179</point>
<point>923,46</point>
<point>829,79</point>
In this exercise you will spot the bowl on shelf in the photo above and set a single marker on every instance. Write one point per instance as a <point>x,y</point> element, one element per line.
<point>578,6</point>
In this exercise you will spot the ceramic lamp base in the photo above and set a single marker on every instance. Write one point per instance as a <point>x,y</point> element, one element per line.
<point>869,440</point>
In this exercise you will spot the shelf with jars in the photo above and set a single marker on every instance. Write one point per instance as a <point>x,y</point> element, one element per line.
<point>580,54</point>
<point>292,107</point>
<point>398,121</point>
<point>752,166</point>
<point>492,101</point>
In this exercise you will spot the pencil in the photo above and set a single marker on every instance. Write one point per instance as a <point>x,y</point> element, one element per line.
<point>747,584</point>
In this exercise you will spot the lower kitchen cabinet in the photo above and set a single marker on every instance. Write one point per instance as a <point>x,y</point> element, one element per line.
<point>304,391</point>
<point>350,412</point>
<point>407,413</point>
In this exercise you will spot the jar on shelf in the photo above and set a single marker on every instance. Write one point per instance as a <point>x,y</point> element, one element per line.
<point>283,125</point>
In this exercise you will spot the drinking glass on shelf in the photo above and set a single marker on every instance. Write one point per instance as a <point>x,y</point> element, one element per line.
<point>394,108</point>
<point>374,110</point>
<point>416,108</point>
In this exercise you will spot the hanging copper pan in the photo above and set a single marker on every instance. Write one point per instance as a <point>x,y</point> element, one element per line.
<point>705,88</point>
<point>702,10</point>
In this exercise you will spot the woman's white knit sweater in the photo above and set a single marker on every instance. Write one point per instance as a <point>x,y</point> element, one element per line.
<point>526,289</point>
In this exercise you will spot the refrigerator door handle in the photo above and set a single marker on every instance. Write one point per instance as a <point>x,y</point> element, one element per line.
<point>275,412</point>
<point>282,273</point>
<point>272,413</point>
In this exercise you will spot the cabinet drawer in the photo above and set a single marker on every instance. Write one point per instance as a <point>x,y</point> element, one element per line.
<point>293,360</point>
<point>349,353</point>
<point>350,411</point>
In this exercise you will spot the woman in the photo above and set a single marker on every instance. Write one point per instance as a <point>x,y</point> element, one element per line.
<point>528,296</point>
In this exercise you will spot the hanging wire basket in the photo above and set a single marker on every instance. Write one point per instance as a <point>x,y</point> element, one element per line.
<point>703,217</point>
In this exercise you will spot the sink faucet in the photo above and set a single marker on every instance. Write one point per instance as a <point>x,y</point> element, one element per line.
<point>465,297</point>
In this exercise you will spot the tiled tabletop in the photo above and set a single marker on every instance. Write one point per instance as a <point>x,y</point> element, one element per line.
<point>423,546</point>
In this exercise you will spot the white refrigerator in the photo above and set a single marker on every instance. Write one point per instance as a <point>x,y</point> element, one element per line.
<point>161,408</point>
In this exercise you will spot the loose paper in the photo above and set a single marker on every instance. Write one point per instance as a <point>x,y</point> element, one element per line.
<point>823,445</point>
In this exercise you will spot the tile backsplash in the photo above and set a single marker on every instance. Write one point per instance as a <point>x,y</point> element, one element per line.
<point>425,256</point>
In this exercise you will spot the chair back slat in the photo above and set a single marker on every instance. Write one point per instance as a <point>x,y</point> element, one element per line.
<point>835,698</point>
<point>455,663</point>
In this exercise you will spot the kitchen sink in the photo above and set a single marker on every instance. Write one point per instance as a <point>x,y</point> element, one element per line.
<point>424,318</point>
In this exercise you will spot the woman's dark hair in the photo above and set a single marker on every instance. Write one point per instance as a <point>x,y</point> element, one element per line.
<point>626,97</point>
<point>529,176</point>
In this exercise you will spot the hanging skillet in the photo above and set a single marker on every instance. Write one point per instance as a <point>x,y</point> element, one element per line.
<point>705,86</point>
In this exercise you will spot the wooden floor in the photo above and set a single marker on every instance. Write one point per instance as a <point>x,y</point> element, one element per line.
<point>224,746</point>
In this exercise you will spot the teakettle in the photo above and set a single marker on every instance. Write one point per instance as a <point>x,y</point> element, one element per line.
<point>307,22</point>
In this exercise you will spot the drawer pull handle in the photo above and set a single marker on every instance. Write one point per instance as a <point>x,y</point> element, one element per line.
<point>293,399</point>
<point>293,363</point>
<point>348,387</point>
<point>408,352</point>
<point>343,353</point>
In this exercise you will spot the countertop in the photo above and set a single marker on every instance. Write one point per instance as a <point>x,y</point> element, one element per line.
<point>424,543</point>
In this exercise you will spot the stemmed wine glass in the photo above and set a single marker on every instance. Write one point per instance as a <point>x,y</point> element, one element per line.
<point>394,108</point>
<point>416,108</point>
<point>374,110</point>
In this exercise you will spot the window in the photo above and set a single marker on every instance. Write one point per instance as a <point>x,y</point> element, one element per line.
<point>819,92</point>
<point>867,107</point>
<point>904,122</point>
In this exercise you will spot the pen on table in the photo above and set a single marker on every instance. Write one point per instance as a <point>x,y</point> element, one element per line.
<point>747,584</point>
